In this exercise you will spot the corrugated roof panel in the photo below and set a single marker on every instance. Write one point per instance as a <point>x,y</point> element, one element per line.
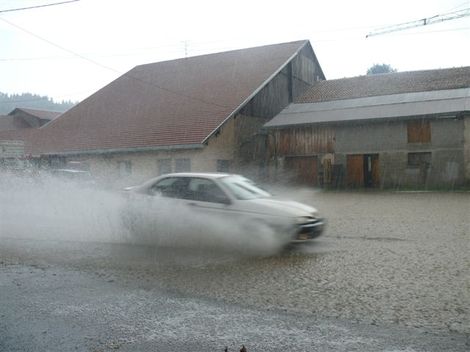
<point>391,106</point>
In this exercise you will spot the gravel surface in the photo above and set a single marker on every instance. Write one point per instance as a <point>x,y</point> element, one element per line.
<point>54,308</point>
<point>395,262</point>
<point>386,258</point>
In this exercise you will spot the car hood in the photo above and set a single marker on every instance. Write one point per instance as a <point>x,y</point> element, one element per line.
<point>277,207</point>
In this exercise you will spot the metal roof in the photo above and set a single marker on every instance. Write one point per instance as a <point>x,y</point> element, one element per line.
<point>377,107</point>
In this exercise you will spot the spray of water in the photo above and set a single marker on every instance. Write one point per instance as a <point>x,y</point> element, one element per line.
<point>45,207</point>
<point>169,223</point>
<point>50,208</point>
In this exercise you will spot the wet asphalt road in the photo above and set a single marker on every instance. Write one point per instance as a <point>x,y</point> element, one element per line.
<point>392,273</point>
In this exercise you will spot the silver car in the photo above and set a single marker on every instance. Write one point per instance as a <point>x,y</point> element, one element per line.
<point>231,201</point>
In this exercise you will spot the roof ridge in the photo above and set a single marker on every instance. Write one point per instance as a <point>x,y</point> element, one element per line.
<point>395,73</point>
<point>303,41</point>
<point>387,84</point>
<point>401,98</point>
<point>42,110</point>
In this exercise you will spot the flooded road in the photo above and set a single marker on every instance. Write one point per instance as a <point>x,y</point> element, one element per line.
<point>392,273</point>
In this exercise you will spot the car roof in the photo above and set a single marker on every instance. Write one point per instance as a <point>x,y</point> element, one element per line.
<point>209,175</point>
<point>197,174</point>
<point>72,171</point>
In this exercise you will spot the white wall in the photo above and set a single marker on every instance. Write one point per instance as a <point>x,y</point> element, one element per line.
<point>144,165</point>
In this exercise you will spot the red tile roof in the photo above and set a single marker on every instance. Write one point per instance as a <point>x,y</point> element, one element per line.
<point>13,122</point>
<point>178,102</point>
<point>8,123</point>
<point>386,84</point>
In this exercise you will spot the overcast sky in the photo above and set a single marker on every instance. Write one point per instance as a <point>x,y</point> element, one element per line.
<point>70,51</point>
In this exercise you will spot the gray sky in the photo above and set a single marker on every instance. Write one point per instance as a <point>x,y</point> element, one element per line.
<point>105,38</point>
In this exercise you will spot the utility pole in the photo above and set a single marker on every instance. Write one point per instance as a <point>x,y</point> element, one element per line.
<point>423,22</point>
<point>186,45</point>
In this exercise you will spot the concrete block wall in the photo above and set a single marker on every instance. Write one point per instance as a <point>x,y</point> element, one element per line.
<point>466,123</point>
<point>370,137</point>
<point>449,163</point>
<point>393,171</point>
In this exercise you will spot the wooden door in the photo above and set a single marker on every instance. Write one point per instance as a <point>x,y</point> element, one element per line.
<point>355,170</point>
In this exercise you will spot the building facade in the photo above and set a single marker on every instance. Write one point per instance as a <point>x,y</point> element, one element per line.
<point>195,114</point>
<point>418,138</point>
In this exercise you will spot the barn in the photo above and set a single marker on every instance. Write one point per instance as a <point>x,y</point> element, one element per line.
<point>16,131</point>
<point>406,129</point>
<point>202,113</point>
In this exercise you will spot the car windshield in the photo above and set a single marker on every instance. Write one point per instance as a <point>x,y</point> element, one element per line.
<point>243,188</point>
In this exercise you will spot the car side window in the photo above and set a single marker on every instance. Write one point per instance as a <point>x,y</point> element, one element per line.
<point>171,187</point>
<point>205,190</point>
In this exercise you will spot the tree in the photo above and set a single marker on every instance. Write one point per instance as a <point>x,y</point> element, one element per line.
<point>9,102</point>
<point>380,68</point>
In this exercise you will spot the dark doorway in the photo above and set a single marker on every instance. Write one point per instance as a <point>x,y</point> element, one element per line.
<point>363,170</point>
<point>371,170</point>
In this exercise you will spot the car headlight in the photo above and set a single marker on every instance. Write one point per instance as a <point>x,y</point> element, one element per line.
<point>305,219</point>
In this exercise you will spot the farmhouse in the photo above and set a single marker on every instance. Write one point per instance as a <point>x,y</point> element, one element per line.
<point>22,118</point>
<point>16,131</point>
<point>389,130</point>
<point>201,113</point>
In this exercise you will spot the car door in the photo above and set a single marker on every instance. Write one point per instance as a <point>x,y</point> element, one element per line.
<point>186,206</point>
<point>166,208</point>
<point>209,207</point>
<point>190,208</point>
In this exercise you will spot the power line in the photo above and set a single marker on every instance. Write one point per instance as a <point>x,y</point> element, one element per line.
<point>38,6</point>
<point>200,47</point>
<point>456,7</point>
<point>422,22</point>
<point>435,31</point>
<point>57,45</point>
<point>142,51</point>
<point>110,68</point>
